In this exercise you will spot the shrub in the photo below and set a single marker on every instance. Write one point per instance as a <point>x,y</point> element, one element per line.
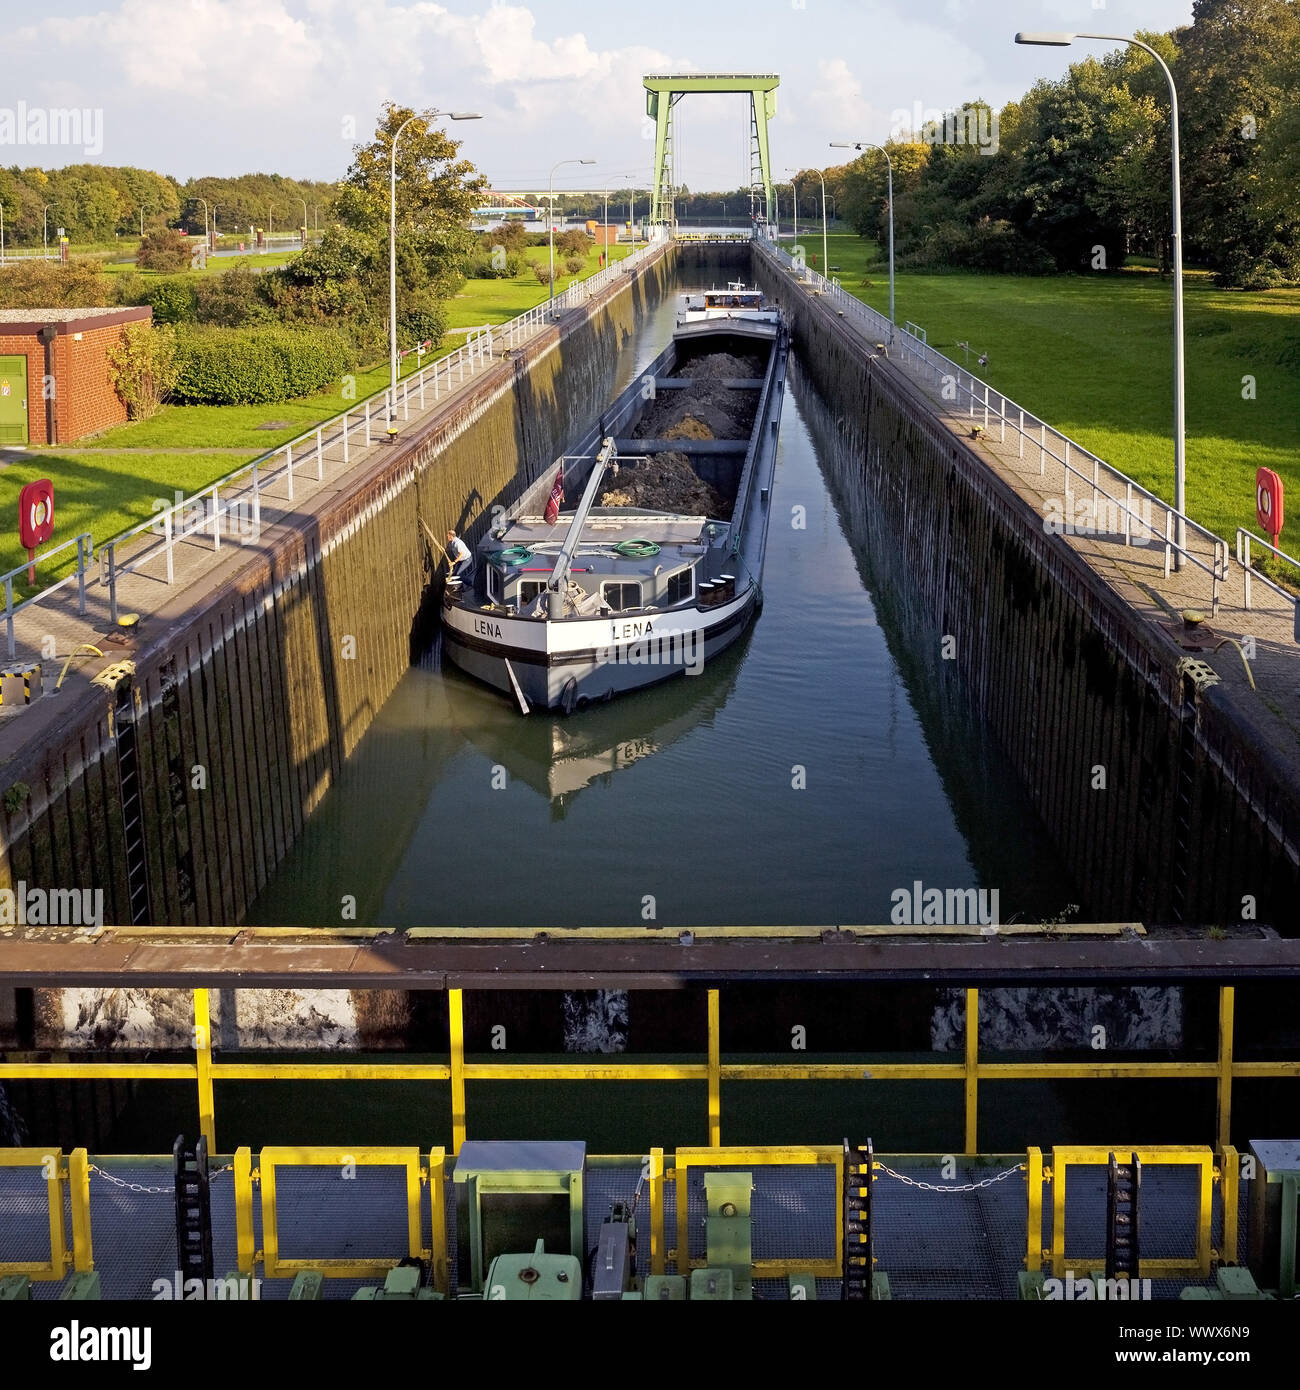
<point>130,287</point>
<point>231,299</point>
<point>424,317</point>
<point>172,299</point>
<point>512,235</point>
<point>574,242</point>
<point>166,249</point>
<point>142,368</point>
<point>493,265</point>
<point>252,366</point>
<point>574,264</point>
<point>543,272</point>
<point>52,285</point>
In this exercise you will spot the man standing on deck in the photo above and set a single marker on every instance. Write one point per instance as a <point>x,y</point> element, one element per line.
<point>459,558</point>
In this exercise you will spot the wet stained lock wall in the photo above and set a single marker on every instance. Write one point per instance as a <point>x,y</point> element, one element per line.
<point>1198,813</point>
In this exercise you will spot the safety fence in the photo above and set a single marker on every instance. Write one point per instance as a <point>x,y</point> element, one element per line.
<point>940,1226</point>
<point>1116,508</point>
<point>231,505</point>
<point>966,1069</point>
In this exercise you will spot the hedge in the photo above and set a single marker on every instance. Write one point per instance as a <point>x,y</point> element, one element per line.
<point>251,366</point>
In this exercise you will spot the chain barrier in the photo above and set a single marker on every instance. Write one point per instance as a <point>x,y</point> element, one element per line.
<point>144,1187</point>
<point>963,1187</point>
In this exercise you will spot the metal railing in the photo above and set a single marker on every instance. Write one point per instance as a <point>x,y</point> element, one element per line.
<point>1246,541</point>
<point>966,1069</point>
<point>236,497</point>
<point>1138,516</point>
<point>85,556</point>
<point>71,1212</point>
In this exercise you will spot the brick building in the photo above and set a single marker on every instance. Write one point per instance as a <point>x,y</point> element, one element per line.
<point>69,346</point>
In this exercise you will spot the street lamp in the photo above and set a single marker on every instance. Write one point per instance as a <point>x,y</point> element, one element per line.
<point>199,198</point>
<point>795,189</point>
<point>143,206</point>
<point>1180,406</point>
<point>270,222</point>
<point>889,164</point>
<point>550,217</point>
<point>825,259</point>
<point>303,201</point>
<point>213,243</point>
<point>45,234</point>
<point>392,251</point>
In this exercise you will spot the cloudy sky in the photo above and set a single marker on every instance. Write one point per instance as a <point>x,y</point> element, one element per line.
<point>230,86</point>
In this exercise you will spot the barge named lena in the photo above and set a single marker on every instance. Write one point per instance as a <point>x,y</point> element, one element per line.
<point>658,565</point>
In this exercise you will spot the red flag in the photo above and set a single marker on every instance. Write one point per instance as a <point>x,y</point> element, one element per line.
<point>552,513</point>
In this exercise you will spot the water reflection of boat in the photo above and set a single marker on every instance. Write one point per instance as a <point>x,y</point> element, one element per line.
<point>558,757</point>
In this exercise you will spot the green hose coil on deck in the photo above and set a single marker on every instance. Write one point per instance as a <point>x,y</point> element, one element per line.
<point>636,549</point>
<point>512,555</point>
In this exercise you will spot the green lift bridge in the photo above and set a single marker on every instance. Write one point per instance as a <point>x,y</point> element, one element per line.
<point>665,90</point>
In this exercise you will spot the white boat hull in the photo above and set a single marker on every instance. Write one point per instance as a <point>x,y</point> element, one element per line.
<point>563,665</point>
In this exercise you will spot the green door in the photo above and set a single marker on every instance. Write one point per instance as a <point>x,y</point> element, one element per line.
<point>13,400</point>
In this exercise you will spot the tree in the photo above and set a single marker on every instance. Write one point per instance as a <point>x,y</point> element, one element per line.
<point>1232,90</point>
<point>435,197</point>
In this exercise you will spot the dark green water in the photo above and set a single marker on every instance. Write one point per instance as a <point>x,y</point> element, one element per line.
<point>804,776</point>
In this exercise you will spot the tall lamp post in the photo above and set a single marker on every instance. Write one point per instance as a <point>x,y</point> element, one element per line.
<point>199,198</point>
<point>45,233</point>
<point>143,207</point>
<point>270,216</point>
<point>818,172</point>
<point>215,206</point>
<point>1052,40</point>
<point>889,164</point>
<point>392,252</point>
<point>550,219</point>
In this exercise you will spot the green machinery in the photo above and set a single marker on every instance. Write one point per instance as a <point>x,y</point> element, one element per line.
<point>665,90</point>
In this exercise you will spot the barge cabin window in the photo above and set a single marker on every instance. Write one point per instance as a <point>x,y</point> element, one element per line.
<point>621,597</point>
<point>679,586</point>
<point>528,591</point>
<point>493,584</point>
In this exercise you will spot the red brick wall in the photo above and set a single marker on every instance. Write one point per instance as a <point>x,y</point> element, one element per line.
<point>14,345</point>
<point>84,399</point>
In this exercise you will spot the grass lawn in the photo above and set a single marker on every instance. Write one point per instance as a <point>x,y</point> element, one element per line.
<point>1094,357</point>
<point>216,265</point>
<point>103,494</point>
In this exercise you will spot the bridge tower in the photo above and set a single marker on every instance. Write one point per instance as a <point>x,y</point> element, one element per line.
<point>665,90</point>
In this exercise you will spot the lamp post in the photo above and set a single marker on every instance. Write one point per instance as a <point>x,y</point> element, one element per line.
<point>392,252</point>
<point>270,215</point>
<point>45,233</point>
<point>550,220</point>
<point>818,172</point>
<point>1054,40</point>
<point>204,201</point>
<point>794,188</point>
<point>213,243</point>
<point>143,206</point>
<point>303,201</point>
<point>889,164</point>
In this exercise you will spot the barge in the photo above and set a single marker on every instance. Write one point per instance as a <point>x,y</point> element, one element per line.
<point>639,556</point>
